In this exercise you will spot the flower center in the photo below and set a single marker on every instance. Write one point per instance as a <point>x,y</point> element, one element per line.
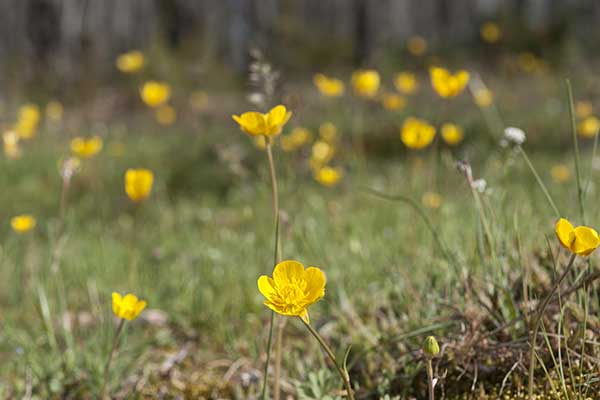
<point>291,297</point>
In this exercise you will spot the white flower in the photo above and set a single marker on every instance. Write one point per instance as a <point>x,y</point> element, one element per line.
<point>514,135</point>
<point>480,185</point>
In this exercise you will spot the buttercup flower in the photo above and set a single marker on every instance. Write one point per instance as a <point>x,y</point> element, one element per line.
<point>365,82</point>
<point>130,62</point>
<point>328,132</point>
<point>431,200</point>
<point>27,121</point>
<point>393,102</point>
<point>581,240</point>
<point>22,223</point>
<point>127,307</point>
<point>583,109</point>
<point>490,32</point>
<point>483,97</point>
<point>446,84</point>
<point>269,124</point>
<point>54,110</point>
<point>416,45</point>
<point>328,176</point>
<point>322,152</point>
<point>296,139</point>
<point>560,173</point>
<point>86,148</point>
<point>138,184</point>
<point>330,87</point>
<point>416,134</point>
<point>155,94</point>
<point>165,115</point>
<point>588,128</point>
<point>514,135</point>
<point>406,82</point>
<point>10,140</point>
<point>292,289</point>
<point>452,133</point>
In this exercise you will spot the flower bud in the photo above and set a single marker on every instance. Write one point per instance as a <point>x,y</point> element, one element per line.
<point>431,347</point>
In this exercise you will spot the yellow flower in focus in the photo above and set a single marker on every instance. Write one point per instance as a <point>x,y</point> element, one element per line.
<point>322,152</point>
<point>365,82</point>
<point>155,94</point>
<point>446,84</point>
<point>54,111</point>
<point>393,102</point>
<point>588,128</point>
<point>483,97</point>
<point>416,45</point>
<point>130,62</point>
<point>330,87</point>
<point>138,184</point>
<point>292,289</point>
<point>328,176</point>
<point>560,173</point>
<point>10,140</point>
<point>127,307</point>
<point>581,240</point>
<point>269,124</point>
<point>198,100</point>
<point>583,109</point>
<point>431,200</point>
<point>416,134</point>
<point>165,115</point>
<point>27,121</point>
<point>452,133</point>
<point>490,32</point>
<point>328,132</point>
<point>86,148</point>
<point>406,82</point>
<point>22,223</point>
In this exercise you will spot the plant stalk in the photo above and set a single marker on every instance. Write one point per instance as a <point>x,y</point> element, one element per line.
<point>105,389</point>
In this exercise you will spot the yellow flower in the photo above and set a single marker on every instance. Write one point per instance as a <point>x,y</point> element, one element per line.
<point>328,176</point>
<point>86,148</point>
<point>155,94</point>
<point>406,82</point>
<point>416,45</point>
<point>269,124</point>
<point>452,133</point>
<point>583,109</point>
<point>416,134</point>
<point>165,115</point>
<point>292,289</point>
<point>130,62</point>
<point>447,84</point>
<point>296,139</point>
<point>490,32</point>
<point>198,100</point>
<point>560,173</point>
<point>322,152</point>
<point>260,142</point>
<point>529,62</point>
<point>483,97</point>
<point>588,128</point>
<point>22,223</point>
<point>431,200</point>
<point>27,121</point>
<point>328,132</point>
<point>138,184</point>
<point>127,307</point>
<point>365,82</point>
<point>393,102</point>
<point>581,240</point>
<point>12,149</point>
<point>54,110</point>
<point>330,87</point>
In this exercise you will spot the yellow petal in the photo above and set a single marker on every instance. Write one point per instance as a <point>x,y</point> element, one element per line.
<point>287,272</point>
<point>586,241</point>
<point>266,286</point>
<point>565,233</point>
<point>305,317</point>
<point>315,284</point>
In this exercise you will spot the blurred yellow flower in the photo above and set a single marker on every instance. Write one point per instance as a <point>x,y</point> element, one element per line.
<point>406,82</point>
<point>165,115</point>
<point>10,140</point>
<point>127,307</point>
<point>27,121</point>
<point>416,134</point>
<point>130,62</point>
<point>452,133</point>
<point>581,240</point>
<point>529,62</point>
<point>490,32</point>
<point>22,223</point>
<point>416,45</point>
<point>560,173</point>
<point>483,97</point>
<point>155,94</point>
<point>328,132</point>
<point>330,87</point>
<point>296,139</point>
<point>365,82</point>
<point>86,148</point>
<point>138,184</point>
<point>198,100</point>
<point>446,84</point>
<point>431,200</point>
<point>328,176</point>
<point>269,124</point>
<point>583,109</point>
<point>588,128</point>
<point>260,142</point>
<point>292,289</point>
<point>322,152</point>
<point>393,102</point>
<point>54,111</point>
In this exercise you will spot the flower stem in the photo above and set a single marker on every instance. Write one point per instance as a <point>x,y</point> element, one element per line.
<point>105,389</point>
<point>538,318</point>
<point>580,194</point>
<point>430,386</point>
<point>539,180</point>
<point>325,346</point>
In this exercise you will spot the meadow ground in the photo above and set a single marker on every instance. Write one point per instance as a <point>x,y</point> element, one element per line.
<point>468,270</point>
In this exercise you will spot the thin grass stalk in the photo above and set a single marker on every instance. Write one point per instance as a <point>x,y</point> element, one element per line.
<point>105,388</point>
<point>539,181</point>
<point>575,149</point>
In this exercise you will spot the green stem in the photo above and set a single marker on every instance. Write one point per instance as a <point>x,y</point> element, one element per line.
<point>105,389</point>
<point>340,370</point>
<point>575,150</point>
<point>430,379</point>
<point>539,180</point>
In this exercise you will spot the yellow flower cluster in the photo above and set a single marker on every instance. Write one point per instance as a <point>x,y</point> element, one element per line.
<point>297,138</point>
<point>447,84</point>
<point>86,148</point>
<point>329,87</point>
<point>416,133</point>
<point>28,120</point>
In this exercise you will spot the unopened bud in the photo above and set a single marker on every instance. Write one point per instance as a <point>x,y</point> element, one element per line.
<point>431,347</point>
